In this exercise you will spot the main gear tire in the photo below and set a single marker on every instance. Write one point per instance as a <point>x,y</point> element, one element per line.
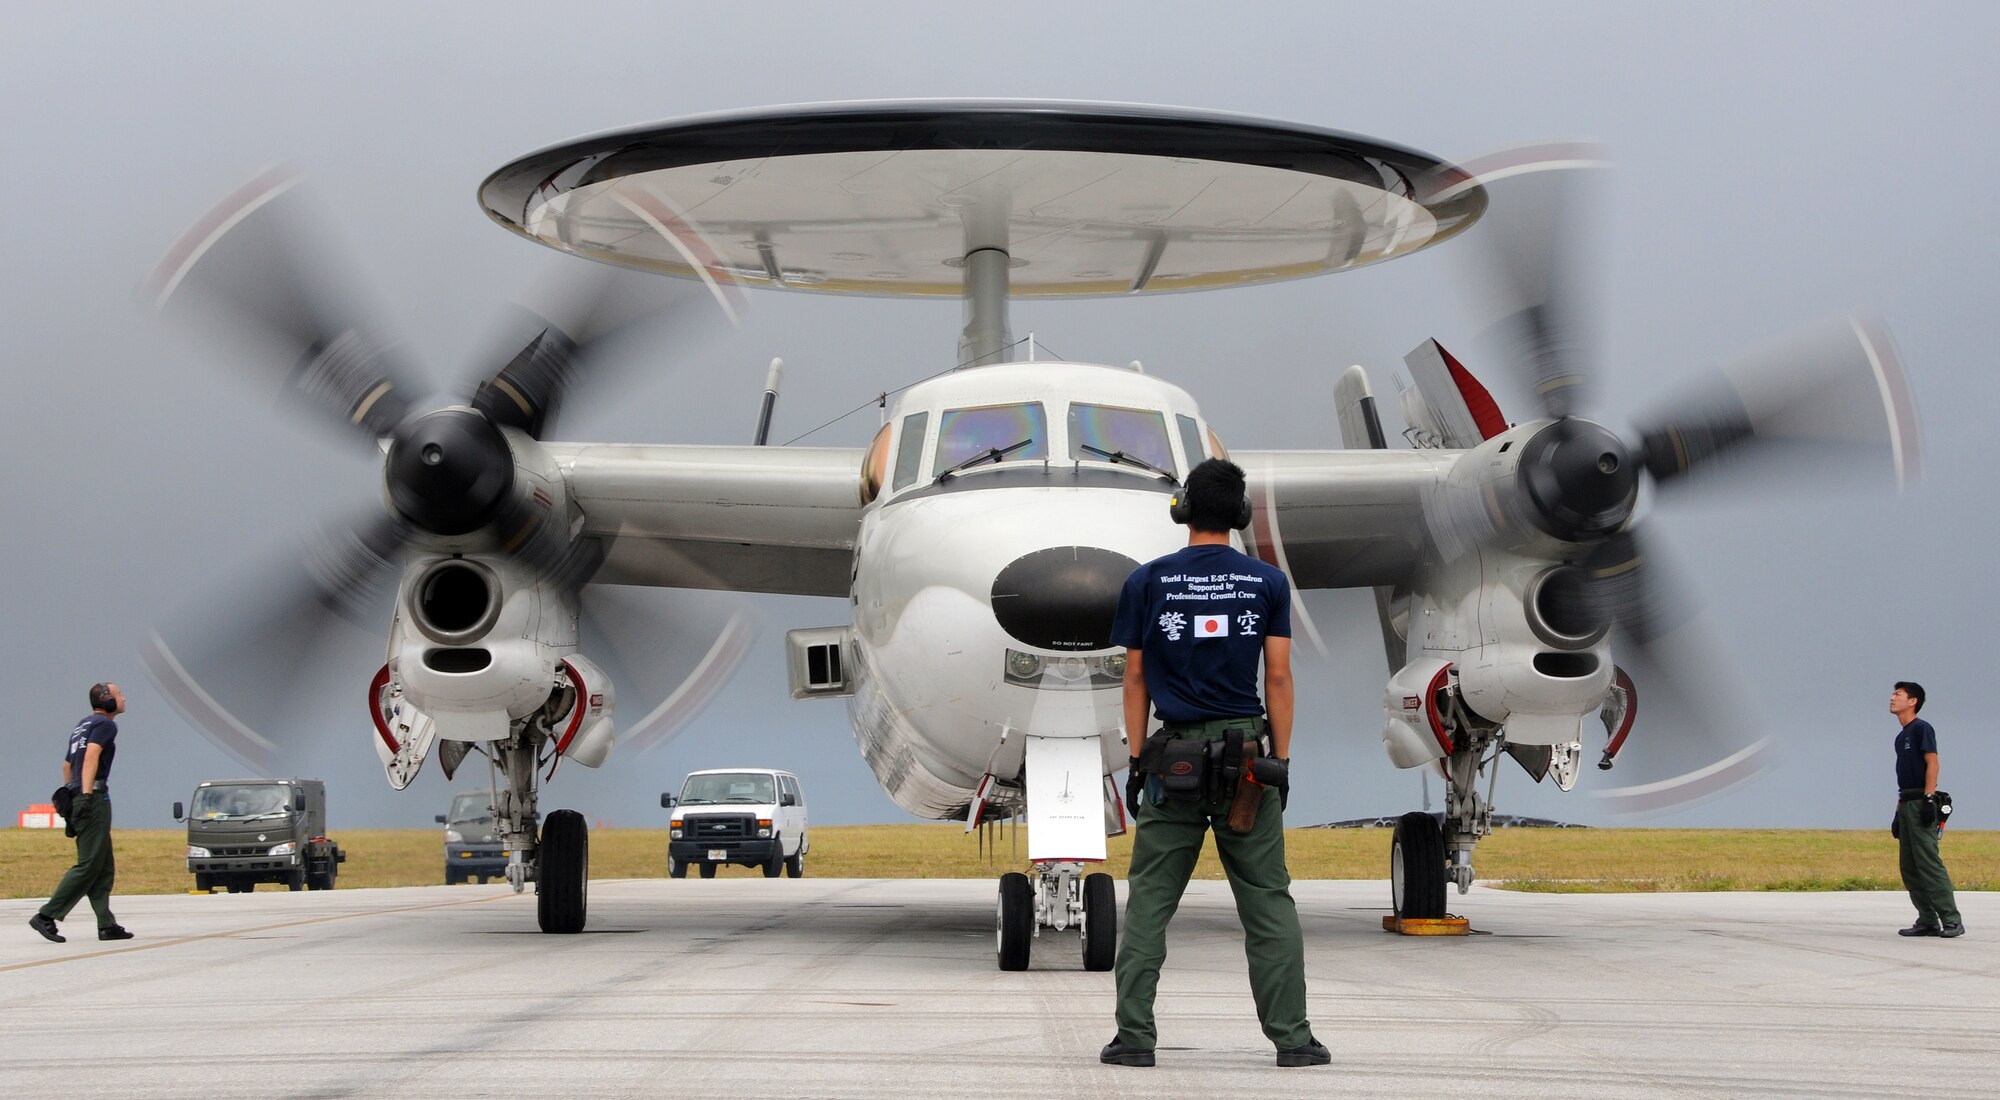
<point>562,889</point>
<point>1416,867</point>
<point>1100,922</point>
<point>1014,924</point>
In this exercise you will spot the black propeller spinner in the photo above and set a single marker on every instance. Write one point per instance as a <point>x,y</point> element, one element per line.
<point>448,471</point>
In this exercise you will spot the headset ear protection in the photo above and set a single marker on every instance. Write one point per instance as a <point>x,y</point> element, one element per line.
<point>100,697</point>
<point>1182,512</point>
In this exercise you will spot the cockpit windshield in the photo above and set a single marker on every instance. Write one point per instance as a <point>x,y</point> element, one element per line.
<point>1131,437</point>
<point>1010,433</point>
<point>234,803</point>
<point>725,787</point>
<point>471,809</point>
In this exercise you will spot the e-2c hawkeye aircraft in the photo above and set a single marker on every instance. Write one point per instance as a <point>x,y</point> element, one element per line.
<point>980,542</point>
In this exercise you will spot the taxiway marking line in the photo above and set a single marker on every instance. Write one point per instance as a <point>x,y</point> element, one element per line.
<point>240,931</point>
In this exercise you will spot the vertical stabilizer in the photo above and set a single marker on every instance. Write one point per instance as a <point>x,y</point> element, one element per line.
<point>1460,410</point>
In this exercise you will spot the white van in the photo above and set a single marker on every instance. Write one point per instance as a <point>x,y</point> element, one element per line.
<point>753,817</point>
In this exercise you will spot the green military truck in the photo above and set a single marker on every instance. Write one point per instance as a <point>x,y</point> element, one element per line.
<point>241,832</point>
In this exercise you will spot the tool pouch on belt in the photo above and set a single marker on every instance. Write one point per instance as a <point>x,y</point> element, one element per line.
<point>1178,763</point>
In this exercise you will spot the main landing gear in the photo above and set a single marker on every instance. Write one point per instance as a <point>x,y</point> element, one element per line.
<point>556,858</point>
<point>1427,851</point>
<point>1059,897</point>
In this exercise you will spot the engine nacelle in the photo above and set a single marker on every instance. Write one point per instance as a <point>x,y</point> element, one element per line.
<point>478,644</point>
<point>1537,666</point>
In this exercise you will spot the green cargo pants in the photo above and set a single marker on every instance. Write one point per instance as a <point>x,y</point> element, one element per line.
<point>1924,875</point>
<point>1164,851</point>
<point>94,871</point>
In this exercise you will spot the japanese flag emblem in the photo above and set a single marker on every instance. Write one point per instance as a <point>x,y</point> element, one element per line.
<point>1211,626</point>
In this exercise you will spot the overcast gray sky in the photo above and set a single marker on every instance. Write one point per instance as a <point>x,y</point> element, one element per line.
<point>1774,164</point>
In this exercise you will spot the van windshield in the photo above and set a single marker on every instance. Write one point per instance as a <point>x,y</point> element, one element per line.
<point>720,787</point>
<point>471,809</point>
<point>241,801</point>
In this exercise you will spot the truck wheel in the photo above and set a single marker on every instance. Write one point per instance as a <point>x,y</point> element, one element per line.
<point>1015,923</point>
<point>296,880</point>
<point>707,869</point>
<point>450,878</point>
<point>1100,922</point>
<point>1416,867</point>
<point>204,883</point>
<point>563,884</point>
<point>241,886</point>
<point>677,868</point>
<point>795,864</point>
<point>777,861</point>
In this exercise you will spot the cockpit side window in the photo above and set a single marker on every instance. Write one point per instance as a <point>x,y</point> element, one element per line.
<point>1106,433</point>
<point>910,449</point>
<point>1021,431</point>
<point>1190,439</point>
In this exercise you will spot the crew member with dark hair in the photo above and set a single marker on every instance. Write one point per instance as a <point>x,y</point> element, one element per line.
<point>1917,825</point>
<point>87,772</point>
<point>1196,625</point>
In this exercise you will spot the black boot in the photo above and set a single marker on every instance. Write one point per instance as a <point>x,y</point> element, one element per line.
<point>1116,1053</point>
<point>47,927</point>
<point>1310,1053</point>
<point>1918,929</point>
<point>115,932</point>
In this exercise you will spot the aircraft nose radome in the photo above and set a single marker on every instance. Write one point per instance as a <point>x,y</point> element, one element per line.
<point>1061,598</point>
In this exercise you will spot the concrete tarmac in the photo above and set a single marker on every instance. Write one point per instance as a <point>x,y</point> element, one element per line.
<point>863,988</point>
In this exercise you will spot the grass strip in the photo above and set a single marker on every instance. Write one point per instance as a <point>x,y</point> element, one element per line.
<point>153,861</point>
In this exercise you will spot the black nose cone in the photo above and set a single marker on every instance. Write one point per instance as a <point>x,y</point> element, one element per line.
<point>1061,598</point>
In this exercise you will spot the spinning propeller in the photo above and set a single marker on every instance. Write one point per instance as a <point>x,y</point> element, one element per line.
<point>254,276</point>
<point>1828,402</point>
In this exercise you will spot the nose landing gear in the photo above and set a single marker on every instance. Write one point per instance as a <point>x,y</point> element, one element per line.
<point>1059,897</point>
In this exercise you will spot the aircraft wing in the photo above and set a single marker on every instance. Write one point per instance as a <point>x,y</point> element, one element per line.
<point>1340,519</point>
<point>739,519</point>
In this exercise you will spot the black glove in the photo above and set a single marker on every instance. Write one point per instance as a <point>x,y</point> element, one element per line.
<point>1135,787</point>
<point>1927,813</point>
<point>1275,771</point>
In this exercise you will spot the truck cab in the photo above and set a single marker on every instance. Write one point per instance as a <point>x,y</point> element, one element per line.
<point>241,832</point>
<point>751,817</point>
<point>472,849</point>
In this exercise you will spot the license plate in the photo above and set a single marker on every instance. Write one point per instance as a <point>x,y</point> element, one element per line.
<point>718,853</point>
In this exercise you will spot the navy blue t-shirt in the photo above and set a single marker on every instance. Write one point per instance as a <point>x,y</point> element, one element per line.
<point>1199,617</point>
<point>94,730</point>
<point>1912,742</point>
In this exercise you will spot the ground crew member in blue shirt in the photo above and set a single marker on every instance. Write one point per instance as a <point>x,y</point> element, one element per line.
<point>1916,825</point>
<point>87,771</point>
<point>1195,625</point>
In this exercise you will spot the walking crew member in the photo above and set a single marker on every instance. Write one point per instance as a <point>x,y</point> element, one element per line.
<point>1916,825</point>
<point>1196,623</point>
<point>87,771</point>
